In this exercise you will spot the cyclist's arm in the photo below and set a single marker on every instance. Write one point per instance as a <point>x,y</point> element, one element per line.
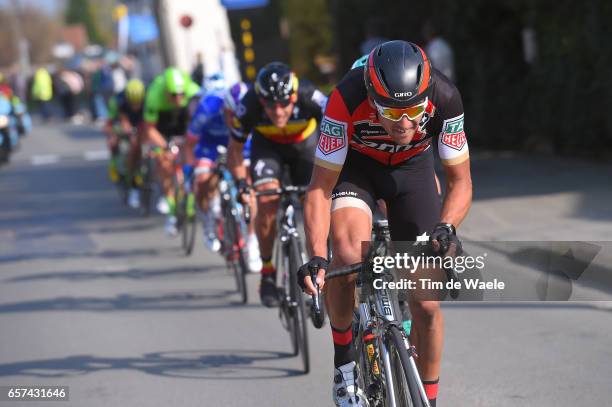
<point>317,209</point>
<point>454,154</point>
<point>151,115</point>
<point>190,142</point>
<point>153,136</point>
<point>240,126</point>
<point>125,124</point>
<point>336,124</point>
<point>113,111</point>
<point>458,198</point>
<point>235,159</point>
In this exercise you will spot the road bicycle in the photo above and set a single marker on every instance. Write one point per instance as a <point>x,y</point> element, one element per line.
<point>232,228</point>
<point>184,197</point>
<point>386,358</point>
<point>288,258</point>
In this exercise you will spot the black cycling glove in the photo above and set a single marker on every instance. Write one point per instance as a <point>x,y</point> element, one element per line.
<point>445,241</point>
<point>316,263</point>
<point>243,186</point>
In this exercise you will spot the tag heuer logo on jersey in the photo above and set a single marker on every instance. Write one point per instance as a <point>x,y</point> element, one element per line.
<point>333,136</point>
<point>452,134</point>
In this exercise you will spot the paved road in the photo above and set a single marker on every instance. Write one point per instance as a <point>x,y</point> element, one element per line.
<point>96,298</point>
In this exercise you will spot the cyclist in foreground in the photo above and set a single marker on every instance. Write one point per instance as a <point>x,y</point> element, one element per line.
<point>166,115</point>
<point>126,118</point>
<point>208,130</point>
<point>283,115</point>
<point>376,143</point>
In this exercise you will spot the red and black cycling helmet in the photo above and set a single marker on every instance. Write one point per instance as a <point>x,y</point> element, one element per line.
<point>397,74</point>
<point>276,82</point>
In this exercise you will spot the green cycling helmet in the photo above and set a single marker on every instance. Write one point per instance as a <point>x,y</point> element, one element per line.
<point>175,81</point>
<point>135,91</point>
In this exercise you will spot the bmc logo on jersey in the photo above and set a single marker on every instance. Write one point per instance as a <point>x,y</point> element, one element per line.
<point>453,135</point>
<point>333,136</point>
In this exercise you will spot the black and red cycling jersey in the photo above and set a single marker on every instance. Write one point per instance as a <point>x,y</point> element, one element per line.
<point>351,121</point>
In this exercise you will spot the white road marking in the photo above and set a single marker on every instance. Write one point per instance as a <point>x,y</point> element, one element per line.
<point>45,159</point>
<point>96,155</point>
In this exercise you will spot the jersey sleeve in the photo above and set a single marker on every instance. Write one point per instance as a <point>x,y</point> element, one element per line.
<point>336,126</point>
<point>113,109</point>
<point>198,121</point>
<point>191,90</point>
<point>452,143</point>
<point>313,99</point>
<point>244,117</point>
<point>152,102</point>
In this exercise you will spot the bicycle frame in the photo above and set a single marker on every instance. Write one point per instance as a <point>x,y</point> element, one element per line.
<point>379,309</point>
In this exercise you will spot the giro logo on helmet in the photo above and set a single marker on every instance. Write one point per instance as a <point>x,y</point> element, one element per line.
<point>402,94</point>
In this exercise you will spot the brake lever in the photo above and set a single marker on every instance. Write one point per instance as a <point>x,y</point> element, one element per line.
<point>317,315</point>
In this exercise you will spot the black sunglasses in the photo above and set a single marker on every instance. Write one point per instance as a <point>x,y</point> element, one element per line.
<point>273,103</point>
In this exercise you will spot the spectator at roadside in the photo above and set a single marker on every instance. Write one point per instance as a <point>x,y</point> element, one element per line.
<point>439,51</point>
<point>70,85</point>
<point>197,75</point>
<point>373,35</point>
<point>42,92</point>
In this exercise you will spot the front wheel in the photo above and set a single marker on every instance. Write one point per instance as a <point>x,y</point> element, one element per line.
<point>299,309</point>
<point>234,248</point>
<point>404,386</point>
<point>189,224</point>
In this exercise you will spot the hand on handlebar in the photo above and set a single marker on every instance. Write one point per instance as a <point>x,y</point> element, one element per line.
<point>316,265</point>
<point>244,190</point>
<point>444,240</point>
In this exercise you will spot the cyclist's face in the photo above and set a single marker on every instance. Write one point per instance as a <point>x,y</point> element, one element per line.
<point>135,106</point>
<point>278,114</point>
<point>401,131</point>
<point>176,98</point>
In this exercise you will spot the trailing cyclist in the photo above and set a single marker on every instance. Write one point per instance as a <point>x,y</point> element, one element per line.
<point>126,119</point>
<point>282,114</point>
<point>208,130</point>
<point>167,115</point>
<point>375,143</point>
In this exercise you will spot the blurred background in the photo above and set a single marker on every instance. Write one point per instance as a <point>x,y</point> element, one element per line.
<point>534,75</point>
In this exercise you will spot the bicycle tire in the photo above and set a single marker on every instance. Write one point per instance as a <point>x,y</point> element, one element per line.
<point>146,189</point>
<point>405,379</point>
<point>233,254</point>
<point>286,297</point>
<point>189,230</point>
<point>178,205</point>
<point>240,248</point>
<point>299,314</point>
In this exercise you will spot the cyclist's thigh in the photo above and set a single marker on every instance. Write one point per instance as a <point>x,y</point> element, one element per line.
<point>266,162</point>
<point>300,158</point>
<point>204,171</point>
<point>353,202</point>
<point>415,207</point>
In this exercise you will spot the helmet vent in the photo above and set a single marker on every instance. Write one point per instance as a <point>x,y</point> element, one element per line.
<point>379,53</point>
<point>384,79</point>
<point>416,51</point>
<point>418,74</point>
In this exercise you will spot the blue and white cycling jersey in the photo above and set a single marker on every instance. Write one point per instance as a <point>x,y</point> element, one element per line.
<point>208,124</point>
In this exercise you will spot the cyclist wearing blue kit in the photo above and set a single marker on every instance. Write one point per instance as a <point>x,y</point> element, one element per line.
<point>207,130</point>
